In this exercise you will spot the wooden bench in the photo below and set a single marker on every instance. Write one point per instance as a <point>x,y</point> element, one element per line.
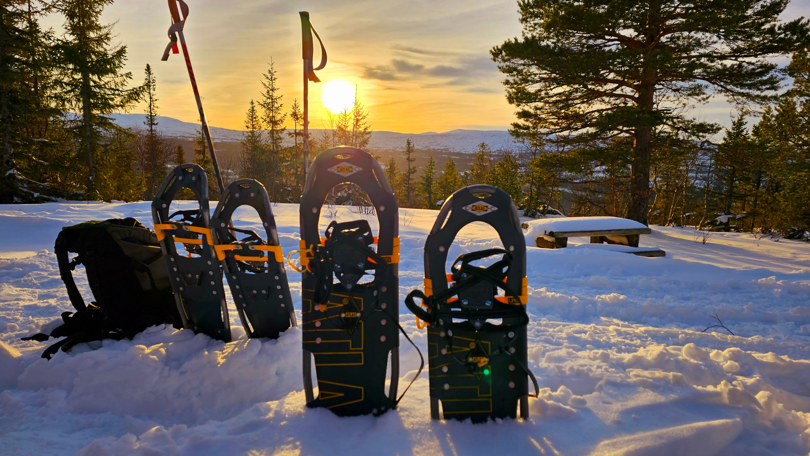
<point>553,233</point>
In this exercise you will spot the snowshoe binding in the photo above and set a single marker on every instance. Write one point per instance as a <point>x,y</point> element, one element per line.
<point>350,325</point>
<point>194,271</point>
<point>476,314</point>
<point>254,266</point>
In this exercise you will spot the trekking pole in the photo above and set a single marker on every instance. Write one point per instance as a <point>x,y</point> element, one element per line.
<point>179,16</point>
<point>309,74</point>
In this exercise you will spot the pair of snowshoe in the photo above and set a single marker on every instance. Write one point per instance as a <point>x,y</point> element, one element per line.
<point>198,247</point>
<point>350,301</point>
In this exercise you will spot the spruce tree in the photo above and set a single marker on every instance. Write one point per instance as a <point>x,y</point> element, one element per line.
<point>593,71</point>
<point>92,82</point>
<point>449,181</point>
<point>253,150</point>
<point>427,184</point>
<point>154,155</point>
<point>273,116</point>
<point>407,178</point>
<point>506,175</point>
<point>481,168</point>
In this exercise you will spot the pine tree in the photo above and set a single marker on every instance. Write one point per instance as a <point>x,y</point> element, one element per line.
<point>179,155</point>
<point>481,168</point>
<point>273,116</point>
<point>449,181</point>
<point>392,175</point>
<point>203,160</point>
<point>154,155</point>
<point>351,127</point>
<point>92,81</point>
<point>427,184</point>
<point>407,178</point>
<point>507,176</point>
<point>253,158</point>
<point>594,71</point>
<point>34,158</point>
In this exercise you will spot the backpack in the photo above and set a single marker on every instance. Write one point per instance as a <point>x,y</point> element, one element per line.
<point>127,275</point>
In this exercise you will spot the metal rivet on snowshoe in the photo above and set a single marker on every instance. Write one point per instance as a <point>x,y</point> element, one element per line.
<point>441,322</point>
<point>511,334</point>
<point>264,292</point>
<point>236,195</point>
<point>511,384</point>
<point>276,277</point>
<point>382,338</point>
<point>444,351</point>
<point>384,289</point>
<point>511,248</point>
<point>445,369</point>
<point>318,340</point>
<point>382,208</point>
<point>450,333</point>
<point>214,292</point>
<point>442,248</point>
<point>446,386</point>
<point>464,302</point>
<point>511,349</point>
<point>181,288</point>
<point>383,305</point>
<point>281,297</point>
<point>374,293</point>
<point>383,322</point>
<point>477,324</point>
<point>278,287</point>
<point>317,324</point>
<point>488,303</point>
<point>254,291</point>
<point>511,367</point>
<point>442,334</point>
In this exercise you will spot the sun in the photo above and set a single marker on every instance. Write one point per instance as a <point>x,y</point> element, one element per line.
<point>338,95</point>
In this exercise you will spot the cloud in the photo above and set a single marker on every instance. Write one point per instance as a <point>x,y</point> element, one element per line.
<point>465,71</point>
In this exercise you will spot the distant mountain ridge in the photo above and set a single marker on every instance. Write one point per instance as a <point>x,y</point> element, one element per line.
<point>465,141</point>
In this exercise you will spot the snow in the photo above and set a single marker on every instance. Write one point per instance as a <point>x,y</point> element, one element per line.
<point>616,342</point>
<point>560,224</point>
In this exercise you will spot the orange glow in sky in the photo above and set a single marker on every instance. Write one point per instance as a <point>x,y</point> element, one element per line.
<point>418,66</point>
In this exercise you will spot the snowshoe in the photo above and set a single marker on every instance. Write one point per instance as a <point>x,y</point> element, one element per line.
<point>350,308</point>
<point>254,267</point>
<point>476,314</point>
<point>194,271</point>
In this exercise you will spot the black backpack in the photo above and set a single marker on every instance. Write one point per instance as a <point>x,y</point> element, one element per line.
<point>128,278</point>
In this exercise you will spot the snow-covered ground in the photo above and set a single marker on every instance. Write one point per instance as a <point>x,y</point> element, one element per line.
<point>616,342</point>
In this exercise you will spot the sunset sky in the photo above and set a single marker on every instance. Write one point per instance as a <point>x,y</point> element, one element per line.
<point>418,65</point>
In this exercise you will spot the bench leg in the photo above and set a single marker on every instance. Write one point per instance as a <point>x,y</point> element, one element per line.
<point>548,242</point>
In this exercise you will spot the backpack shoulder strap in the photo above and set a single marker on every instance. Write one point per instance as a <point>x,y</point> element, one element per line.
<point>65,269</point>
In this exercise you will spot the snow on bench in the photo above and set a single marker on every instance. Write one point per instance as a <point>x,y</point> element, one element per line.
<point>553,233</point>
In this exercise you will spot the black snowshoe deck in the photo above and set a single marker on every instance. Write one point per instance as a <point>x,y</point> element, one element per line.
<point>253,266</point>
<point>350,326</point>
<point>477,343</point>
<point>194,272</point>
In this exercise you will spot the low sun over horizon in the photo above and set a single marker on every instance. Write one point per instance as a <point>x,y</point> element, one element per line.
<point>416,67</point>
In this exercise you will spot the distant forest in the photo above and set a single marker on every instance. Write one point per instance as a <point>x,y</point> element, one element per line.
<point>602,95</point>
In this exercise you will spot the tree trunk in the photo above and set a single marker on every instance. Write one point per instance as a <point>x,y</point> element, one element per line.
<point>88,146</point>
<point>640,176</point>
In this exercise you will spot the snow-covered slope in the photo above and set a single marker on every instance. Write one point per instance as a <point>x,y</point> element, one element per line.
<point>616,342</point>
<point>453,141</point>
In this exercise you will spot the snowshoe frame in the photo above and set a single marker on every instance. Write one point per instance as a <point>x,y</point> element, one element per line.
<point>350,329</point>
<point>196,278</point>
<point>477,369</point>
<point>253,266</point>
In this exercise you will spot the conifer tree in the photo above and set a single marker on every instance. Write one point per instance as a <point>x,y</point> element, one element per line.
<point>92,82</point>
<point>276,159</point>
<point>154,155</point>
<point>407,178</point>
<point>593,71</point>
<point>481,168</point>
<point>449,181</point>
<point>253,158</point>
<point>506,175</point>
<point>392,175</point>
<point>427,184</point>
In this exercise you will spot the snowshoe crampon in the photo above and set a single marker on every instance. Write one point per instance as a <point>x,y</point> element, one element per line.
<point>253,265</point>
<point>350,308</point>
<point>476,314</point>
<point>188,246</point>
